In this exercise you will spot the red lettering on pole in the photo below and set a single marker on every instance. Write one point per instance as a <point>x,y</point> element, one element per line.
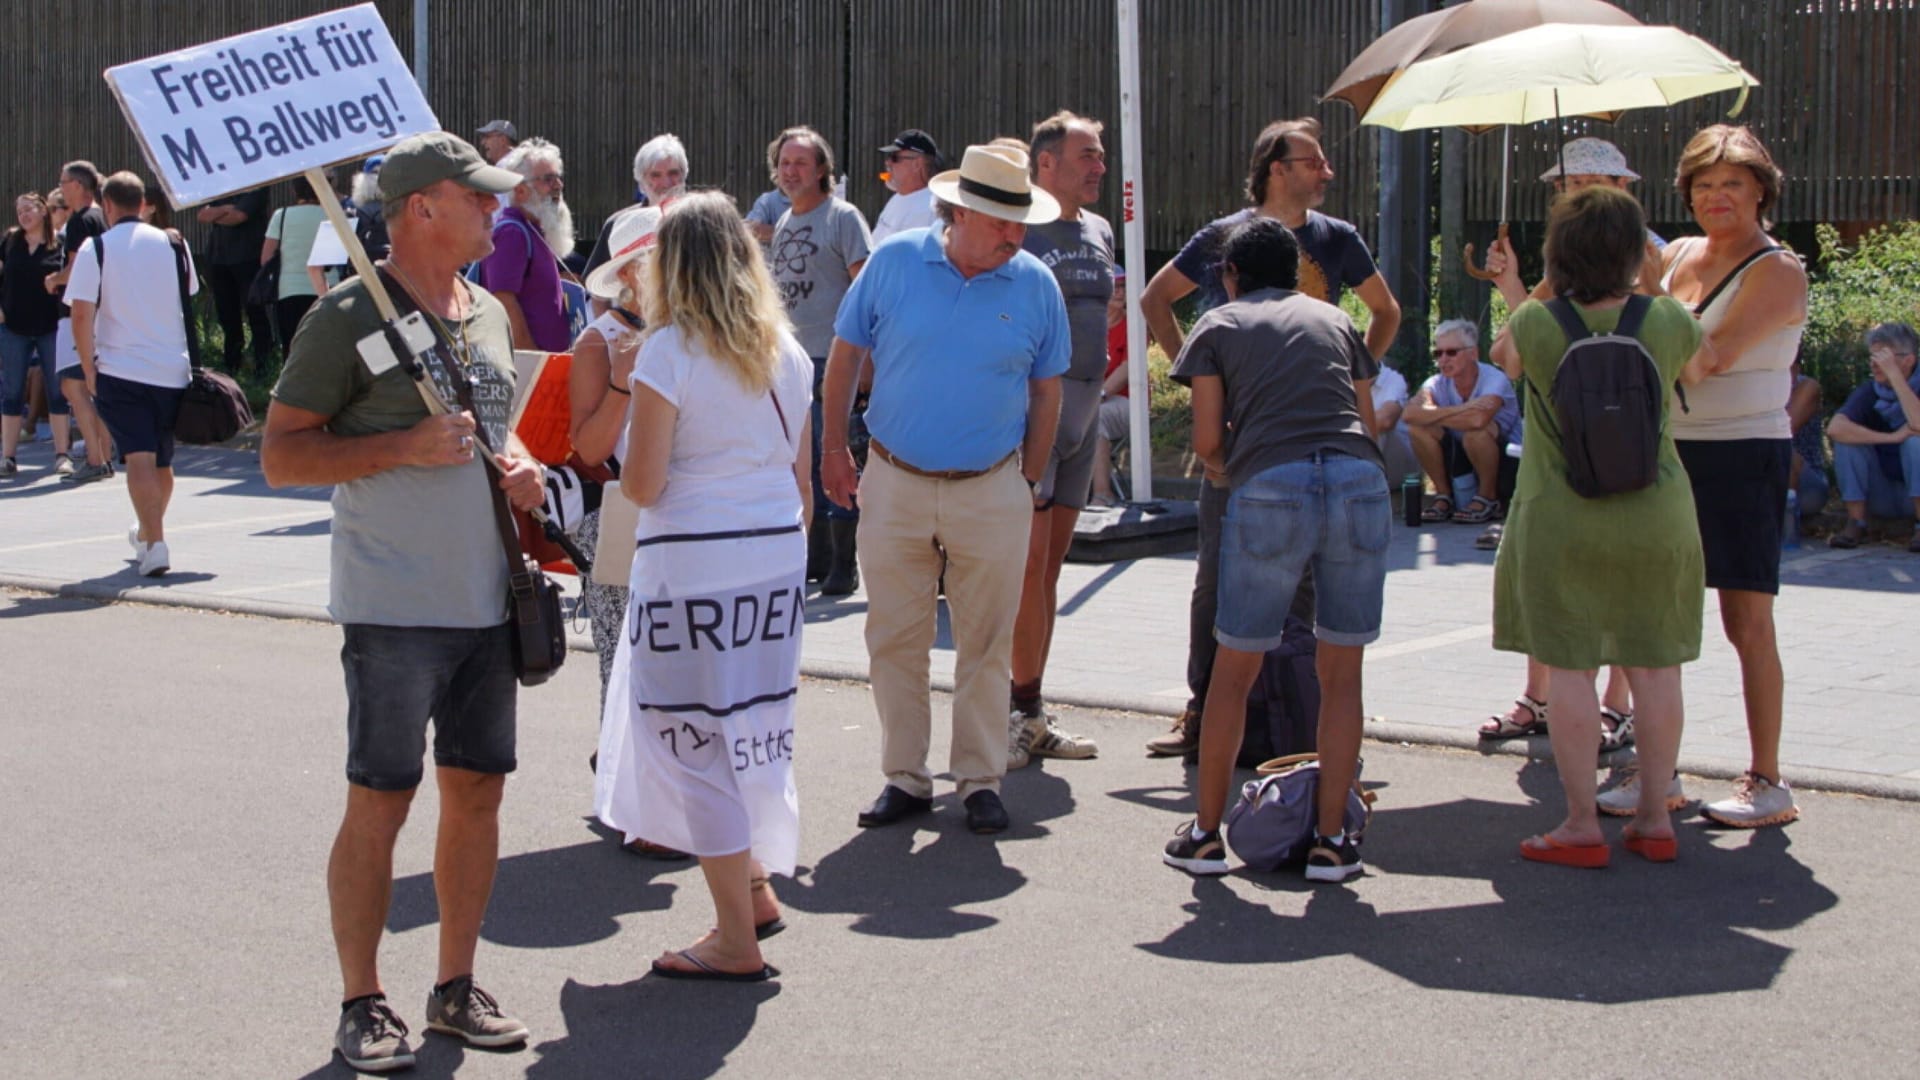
<point>1126,202</point>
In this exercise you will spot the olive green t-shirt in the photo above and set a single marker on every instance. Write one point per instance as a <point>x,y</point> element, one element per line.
<point>412,545</point>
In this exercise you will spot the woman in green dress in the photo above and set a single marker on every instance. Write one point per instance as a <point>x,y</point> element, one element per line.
<point>1617,579</point>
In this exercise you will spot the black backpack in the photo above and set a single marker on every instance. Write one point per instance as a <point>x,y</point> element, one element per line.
<point>1283,708</point>
<point>1605,400</point>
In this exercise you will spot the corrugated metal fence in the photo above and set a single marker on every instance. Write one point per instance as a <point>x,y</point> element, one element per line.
<point>599,78</point>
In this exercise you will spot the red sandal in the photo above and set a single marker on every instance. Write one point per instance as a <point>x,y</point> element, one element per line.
<point>1650,848</point>
<point>1544,848</point>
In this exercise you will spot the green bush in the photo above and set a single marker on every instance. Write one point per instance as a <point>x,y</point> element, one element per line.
<point>1877,281</point>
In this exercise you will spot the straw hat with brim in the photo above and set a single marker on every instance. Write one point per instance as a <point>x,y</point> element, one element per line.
<point>993,180</point>
<point>1589,156</point>
<point>632,237</point>
<point>421,161</point>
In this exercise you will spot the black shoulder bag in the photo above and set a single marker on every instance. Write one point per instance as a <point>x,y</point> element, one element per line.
<point>264,289</point>
<point>539,629</point>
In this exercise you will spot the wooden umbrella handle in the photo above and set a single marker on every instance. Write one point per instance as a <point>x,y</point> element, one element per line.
<point>1466,256</point>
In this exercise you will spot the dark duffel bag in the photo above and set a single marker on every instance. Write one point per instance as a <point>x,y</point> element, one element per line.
<point>213,409</point>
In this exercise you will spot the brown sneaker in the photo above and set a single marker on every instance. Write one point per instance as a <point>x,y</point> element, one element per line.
<point>1183,739</point>
<point>468,1012</point>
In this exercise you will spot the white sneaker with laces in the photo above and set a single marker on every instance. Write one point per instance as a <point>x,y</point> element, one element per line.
<point>139,545</point>
<point>1623,800</point>
<point>1756,802</point>
<point>1019,740</point>
<point>154,561</point>
<point>1047,739</point>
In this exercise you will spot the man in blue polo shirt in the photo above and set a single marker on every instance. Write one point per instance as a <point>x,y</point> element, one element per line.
<point>969,339</point>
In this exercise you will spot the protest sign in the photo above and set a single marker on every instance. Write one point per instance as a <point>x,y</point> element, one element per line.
<point>248,110</point>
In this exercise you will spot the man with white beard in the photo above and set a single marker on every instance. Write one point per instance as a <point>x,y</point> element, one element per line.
<point>530,237</point>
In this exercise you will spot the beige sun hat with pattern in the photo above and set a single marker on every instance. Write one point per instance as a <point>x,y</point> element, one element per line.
<point>994,181</point>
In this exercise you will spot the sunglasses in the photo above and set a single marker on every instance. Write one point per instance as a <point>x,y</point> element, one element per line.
<point>1441,354</point>
<point>1316,163</point>
<point>902,155</point>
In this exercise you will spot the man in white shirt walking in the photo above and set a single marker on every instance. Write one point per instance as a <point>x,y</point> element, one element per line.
<point>131,333</point>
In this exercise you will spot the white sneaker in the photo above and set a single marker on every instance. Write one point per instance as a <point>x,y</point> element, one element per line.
<point>1623,799</point>
<point>139,545</point>
<point>1019,740</point>
<point>1756,802</point>
<point>1046,739</point>
<point>153,562</point>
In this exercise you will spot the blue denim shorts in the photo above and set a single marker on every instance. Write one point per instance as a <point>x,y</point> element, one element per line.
<point>401,677</point>
<point>1329,510</point>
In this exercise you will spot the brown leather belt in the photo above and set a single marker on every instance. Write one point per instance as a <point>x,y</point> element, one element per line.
<point>875,448</point>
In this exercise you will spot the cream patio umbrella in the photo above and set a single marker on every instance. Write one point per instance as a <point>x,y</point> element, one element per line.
<point>1551,72</point>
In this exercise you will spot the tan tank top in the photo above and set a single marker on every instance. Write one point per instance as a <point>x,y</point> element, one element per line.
<point>1749,399</point>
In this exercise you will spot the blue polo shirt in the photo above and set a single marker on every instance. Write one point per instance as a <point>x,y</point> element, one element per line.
<point>952,356</point>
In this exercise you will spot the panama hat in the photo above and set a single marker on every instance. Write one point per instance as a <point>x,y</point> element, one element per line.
<point>994,181</point>
<point>632,237</point>
<point>1589,156</point>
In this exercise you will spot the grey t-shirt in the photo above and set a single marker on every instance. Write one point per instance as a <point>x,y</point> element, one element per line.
<point>412,545</point>
<point>810,254</point>
<point>1080,254</point>
<point>1288,363</point>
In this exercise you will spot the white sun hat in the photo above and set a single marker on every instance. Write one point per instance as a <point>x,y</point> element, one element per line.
<point>994,181</point>
<point>632,237</point>
<point>1591,157</point>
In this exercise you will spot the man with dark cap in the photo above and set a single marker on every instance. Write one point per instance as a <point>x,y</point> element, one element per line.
<point>912,159</point>
<point>419,579</point>
<point>497,137</point>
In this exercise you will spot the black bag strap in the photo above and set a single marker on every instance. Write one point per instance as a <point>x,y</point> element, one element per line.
<point>1569,319</point>
<point>1701,307</point>
<point>186,301</point>
<point>519,578</point>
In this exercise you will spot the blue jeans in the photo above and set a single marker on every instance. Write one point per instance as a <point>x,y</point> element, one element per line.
<point>1863,479</point>
<point>17,351</point>
<point>1330,512</point>
<point>856,441</point>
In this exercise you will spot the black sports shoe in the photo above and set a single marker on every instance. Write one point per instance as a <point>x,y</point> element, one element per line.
<point>1205,855</point>
<point>1329,861</point>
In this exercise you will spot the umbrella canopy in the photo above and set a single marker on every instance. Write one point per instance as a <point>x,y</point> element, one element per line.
<point>1440,32</point>
<point>1555,71</point>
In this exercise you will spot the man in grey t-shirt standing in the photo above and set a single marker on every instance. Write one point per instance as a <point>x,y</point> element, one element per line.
<point>1068,163</point>
<point>419,581</point>
<point>819,244</point>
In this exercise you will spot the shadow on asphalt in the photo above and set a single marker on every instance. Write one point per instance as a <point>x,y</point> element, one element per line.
<point>898,891</point>
<point>553,899</point>
<point>651,1026</point>
<point>1634,932</point>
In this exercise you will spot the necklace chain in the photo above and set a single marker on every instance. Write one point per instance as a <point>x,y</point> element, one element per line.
<point>456,343</point>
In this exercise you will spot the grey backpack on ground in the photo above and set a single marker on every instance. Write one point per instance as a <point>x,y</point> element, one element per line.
<point>1272,825</point>
<point>1605,400</point>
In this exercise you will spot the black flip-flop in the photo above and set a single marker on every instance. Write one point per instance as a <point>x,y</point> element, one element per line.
<point>765,930</point>
<point>707,972</point>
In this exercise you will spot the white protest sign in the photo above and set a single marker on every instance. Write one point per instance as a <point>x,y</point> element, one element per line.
<point>248,110</point>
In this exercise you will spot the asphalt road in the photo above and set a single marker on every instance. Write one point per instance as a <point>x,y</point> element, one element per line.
<point>171,781</point>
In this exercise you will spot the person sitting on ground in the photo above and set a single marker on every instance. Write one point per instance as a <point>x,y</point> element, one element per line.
<point>1306,485</point>
<point>1611,579</point>
<point>1807,478</point>
<point>1389,423</point>
<point>1466,410</point>
<point>1876,437</point>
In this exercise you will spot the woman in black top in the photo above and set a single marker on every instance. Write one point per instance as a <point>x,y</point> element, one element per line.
<point>29,315</point>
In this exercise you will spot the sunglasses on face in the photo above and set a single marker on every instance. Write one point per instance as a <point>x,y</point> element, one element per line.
<point>1442,354</point>
<point>1313,163</point>
<point>901,155</point>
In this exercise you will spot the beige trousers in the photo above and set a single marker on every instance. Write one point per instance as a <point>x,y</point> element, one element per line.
<point>983,523</point>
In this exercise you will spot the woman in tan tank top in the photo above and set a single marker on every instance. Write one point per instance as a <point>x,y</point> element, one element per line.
<point>1735,444</point>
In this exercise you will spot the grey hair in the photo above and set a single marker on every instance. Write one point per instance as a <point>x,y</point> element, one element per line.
<point>654,151</point>
<point>527,154</point>
<point>1468,330</point>
<point>1897,336</point>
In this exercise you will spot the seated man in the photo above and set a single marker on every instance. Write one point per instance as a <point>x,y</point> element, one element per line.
<point>1807,469</point>
<point>1876,437</point>
<point>1459,423</point>
<point>1389,423</point>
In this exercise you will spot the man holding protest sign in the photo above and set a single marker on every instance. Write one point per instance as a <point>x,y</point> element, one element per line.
<point>419,581</point>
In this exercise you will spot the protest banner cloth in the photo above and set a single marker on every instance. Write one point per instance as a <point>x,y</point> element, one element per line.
<point>248,110</point>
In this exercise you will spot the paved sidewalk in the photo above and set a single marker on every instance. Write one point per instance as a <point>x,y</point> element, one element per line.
<point>1847,620</point>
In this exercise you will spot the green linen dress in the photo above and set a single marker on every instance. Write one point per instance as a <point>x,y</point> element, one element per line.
<point>1581,583</point>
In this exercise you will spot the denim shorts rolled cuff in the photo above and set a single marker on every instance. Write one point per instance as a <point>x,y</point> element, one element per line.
<point>1352,638</point>
<point>387,783</point>
<point>475,764</point>
<point>1246,644</point>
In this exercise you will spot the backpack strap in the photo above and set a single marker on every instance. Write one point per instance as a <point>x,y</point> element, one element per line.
<point>1634,315</point>
<point>186,302</point>
<point>1569,319</point>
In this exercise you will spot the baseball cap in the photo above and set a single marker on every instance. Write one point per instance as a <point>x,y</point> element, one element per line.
<point>1589,156</point>
<point>420,161</point>
<point>498,127</point>
<point>915,140</point>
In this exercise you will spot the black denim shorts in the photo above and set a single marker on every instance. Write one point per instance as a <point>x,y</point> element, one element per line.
<point>139,416</point>
<point>1740,495</point>
<point>400,677</point>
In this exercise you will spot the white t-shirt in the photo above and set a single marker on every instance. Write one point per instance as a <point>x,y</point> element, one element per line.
<point>904,212</point>
<point>138,333</point>
<point>731,466</point>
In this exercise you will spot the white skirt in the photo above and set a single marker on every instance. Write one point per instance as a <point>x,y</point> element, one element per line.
<point>697,743</point>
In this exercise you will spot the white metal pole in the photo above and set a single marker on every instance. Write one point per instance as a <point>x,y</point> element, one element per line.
<point>420,44</point>
<point>1134,233</point>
